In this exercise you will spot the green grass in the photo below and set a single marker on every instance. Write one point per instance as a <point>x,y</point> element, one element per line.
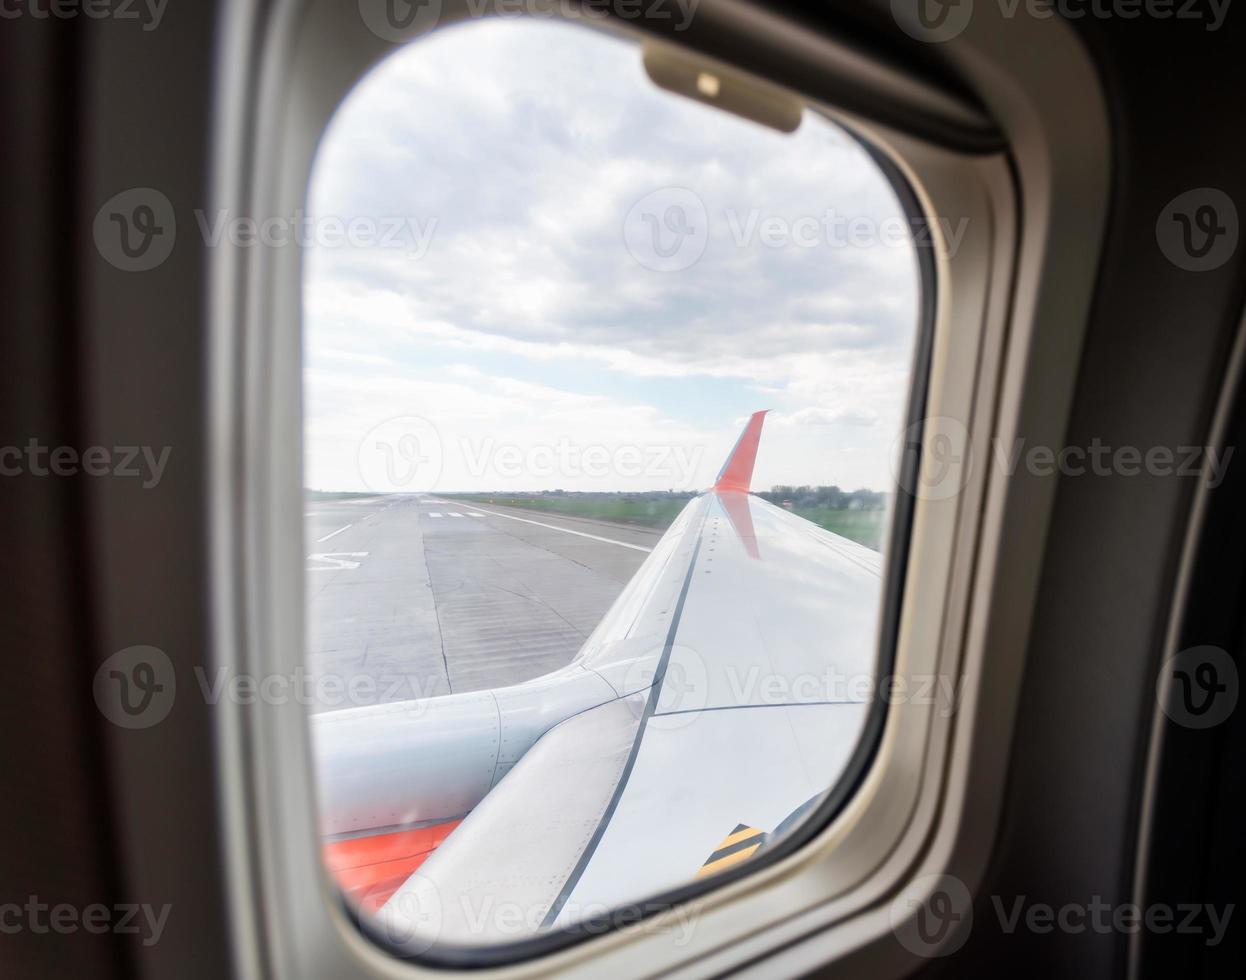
<point>650,513</point>
<point>334,494</point>
<point>863,526</point>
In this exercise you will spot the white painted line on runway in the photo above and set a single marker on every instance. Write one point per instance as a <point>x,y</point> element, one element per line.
<point>434,514</point>
<point>567,530</point>
<point>472,513</point>
<point>336,560</point>
<point>453,514</point>
<point>333,534</point>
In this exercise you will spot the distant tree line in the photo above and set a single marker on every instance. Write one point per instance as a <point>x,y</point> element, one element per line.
<point>829,497</point>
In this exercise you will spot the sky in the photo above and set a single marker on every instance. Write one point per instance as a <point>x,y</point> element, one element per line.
<point>558,276</point>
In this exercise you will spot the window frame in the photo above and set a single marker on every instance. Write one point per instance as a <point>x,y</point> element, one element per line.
<point>1031,210</point>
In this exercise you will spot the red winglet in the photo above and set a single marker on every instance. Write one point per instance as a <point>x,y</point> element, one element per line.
<point>737,472</point>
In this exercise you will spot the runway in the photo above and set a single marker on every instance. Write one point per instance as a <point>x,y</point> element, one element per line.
<point>416,596</point>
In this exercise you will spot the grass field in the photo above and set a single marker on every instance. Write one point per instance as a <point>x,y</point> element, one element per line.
<point>334,495</point>
<point>863,526</point>
<point>650,513</point>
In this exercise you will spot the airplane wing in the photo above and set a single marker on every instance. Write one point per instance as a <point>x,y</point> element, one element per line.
<point>723,690</point>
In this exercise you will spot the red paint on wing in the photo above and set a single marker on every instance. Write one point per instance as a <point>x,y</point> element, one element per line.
<point>737,472</point>
<point>741,518</point>
<point>369,870</point>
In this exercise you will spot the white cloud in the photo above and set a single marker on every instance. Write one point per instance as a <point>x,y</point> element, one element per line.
<point>527,320</point>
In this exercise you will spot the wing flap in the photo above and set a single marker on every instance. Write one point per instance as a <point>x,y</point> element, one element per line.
<point>497,877</point>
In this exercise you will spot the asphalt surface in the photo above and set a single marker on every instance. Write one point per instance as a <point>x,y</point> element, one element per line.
<point>406,599</point>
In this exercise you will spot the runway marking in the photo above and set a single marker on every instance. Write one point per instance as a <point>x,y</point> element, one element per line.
<point>453,514</point>
<point>567,530</point>
<point>333,534</point>
<point>434,514</point>
<point>472,513</point>
<point>335,561</point>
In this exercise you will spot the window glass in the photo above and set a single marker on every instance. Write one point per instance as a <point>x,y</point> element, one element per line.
<point>601,391</point>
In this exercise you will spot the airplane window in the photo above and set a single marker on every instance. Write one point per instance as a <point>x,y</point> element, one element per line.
<point>602,387</point>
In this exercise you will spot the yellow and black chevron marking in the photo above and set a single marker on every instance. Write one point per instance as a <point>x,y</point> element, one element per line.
<point>741,844</point>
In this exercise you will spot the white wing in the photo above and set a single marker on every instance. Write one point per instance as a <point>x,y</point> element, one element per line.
<point>724,689</point>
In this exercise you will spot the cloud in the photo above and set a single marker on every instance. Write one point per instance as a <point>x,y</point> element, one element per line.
<point>523,146</point>
<point>824,416</point>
